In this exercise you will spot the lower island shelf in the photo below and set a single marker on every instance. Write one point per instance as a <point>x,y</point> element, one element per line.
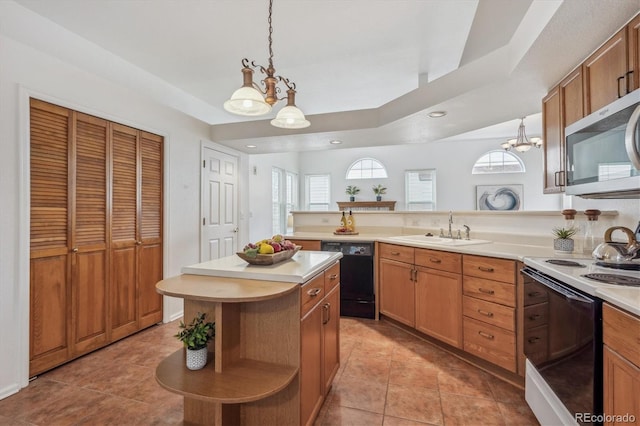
<point>246,381</point>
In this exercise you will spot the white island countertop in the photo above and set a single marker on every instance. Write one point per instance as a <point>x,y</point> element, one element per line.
<point>303,266</point>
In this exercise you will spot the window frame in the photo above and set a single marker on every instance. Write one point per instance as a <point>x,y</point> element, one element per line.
<point>370,169</point>
<point>500,167</point>
<point>407,189</point>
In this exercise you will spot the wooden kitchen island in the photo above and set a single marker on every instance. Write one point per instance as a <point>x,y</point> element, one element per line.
<point>270,363</point>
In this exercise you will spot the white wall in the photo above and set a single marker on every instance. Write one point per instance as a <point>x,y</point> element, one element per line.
<point>452,160</point>
<point>25,72</point>
<point>260,213</point>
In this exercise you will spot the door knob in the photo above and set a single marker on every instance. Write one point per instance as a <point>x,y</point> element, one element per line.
<point>75,249</point>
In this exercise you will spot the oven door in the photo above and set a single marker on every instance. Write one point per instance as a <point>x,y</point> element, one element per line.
<point>566,349</point>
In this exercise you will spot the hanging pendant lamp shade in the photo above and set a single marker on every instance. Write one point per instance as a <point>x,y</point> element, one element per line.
<point>247,100</point>
<point>251,100</point>
<point>290,117</point>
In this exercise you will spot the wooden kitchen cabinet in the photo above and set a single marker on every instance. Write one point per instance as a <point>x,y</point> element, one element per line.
<point>319,341</point>
<point>621,359</point>
<point>96,233</point>
<point>438,295</point>
<point>489,321</point>
<point>553,147</point>
<point>314,245</point>
<point>633,39</point>
<point>397,283</point>
<point>605,73</point>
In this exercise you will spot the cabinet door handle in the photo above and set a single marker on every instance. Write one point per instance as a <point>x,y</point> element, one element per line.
<point>74,250</point>
<point>485,313</point>
<point>313,292</point>
<point>533,339</point>
<point>562,178</point>
<point>486,335</point>
<point>333,277</point>
<point>485,291</point>
<point>534,317</point>
<point>618,80</point>
<point>434,260</point>
<point>415,275</point>
<point>534,294</point>
<point>326,310</point>
<point>395,253</point>
<point>139,243</point>
<point>555,179</point>
<point>485,268</point>
<point>630,79</point>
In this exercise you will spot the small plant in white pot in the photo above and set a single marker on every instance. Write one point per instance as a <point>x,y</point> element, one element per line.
<point>352,191</point>
<point>563,241</point>
<point>379,191</point>
<point>195,337</point>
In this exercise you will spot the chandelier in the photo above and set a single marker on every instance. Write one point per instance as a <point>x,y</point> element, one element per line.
<point>250,100</point>
<point>521,143</point>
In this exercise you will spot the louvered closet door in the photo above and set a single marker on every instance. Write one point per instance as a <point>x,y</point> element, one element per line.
<point>89,234</point>
<point>150,250</point>
<point>124,230</point>
<point>49,240</point>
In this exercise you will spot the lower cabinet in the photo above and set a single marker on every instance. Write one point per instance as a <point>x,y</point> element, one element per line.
<point>397,294</point>
<point>319,341</point>
<point>621,359</point>
<point>438,294</point>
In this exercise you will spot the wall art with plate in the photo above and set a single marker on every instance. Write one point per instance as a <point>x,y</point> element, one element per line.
<point>499,197</point>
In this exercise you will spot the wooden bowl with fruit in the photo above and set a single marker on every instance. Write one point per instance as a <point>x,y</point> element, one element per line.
<point>268,252</point>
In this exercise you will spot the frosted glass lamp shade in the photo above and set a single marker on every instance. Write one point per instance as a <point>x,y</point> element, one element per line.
<point>523,147</point>
<point>290,117</point>
<point>247,101</point>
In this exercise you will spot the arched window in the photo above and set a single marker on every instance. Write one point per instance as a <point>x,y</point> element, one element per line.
<point>498,161</point>
<point>366,168</point>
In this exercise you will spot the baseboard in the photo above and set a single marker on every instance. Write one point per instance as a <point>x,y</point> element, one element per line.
<point>9,390</point>
<point>176,316</point>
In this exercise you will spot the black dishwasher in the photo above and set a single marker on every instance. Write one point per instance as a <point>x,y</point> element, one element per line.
<point>357,296</point>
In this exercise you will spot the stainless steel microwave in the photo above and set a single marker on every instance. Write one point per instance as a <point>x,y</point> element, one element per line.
<point>603,151</point>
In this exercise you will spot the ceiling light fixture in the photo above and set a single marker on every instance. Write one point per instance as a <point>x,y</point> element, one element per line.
<point>335,142</point>
<point>250,100</point>
<point>521,143</point>
<point>437,114</point>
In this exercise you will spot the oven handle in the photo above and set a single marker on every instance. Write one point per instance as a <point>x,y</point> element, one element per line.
<point>554,285</point>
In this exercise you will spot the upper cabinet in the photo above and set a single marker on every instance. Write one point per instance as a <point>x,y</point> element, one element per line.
<point>633,39</point>
<point>609,73</point>
<point>605,73</point>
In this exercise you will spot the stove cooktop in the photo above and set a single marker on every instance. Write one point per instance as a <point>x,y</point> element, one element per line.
<point>584,273</point>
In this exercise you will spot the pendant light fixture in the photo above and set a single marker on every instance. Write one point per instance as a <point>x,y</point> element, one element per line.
<point>250,100</point>
<point>521,143</point>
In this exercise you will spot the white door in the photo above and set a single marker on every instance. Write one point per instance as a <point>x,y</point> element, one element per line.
<point>219,200</point>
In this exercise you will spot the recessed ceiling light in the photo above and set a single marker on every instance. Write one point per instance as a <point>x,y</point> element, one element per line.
<point>251,146</point>
<point>437,114</point>
<point>335,142</point>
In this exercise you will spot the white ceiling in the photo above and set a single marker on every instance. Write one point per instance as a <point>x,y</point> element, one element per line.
<point>367,71</point>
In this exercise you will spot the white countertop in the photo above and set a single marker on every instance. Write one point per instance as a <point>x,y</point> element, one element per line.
<point>303,266</point>
<point>627,298</point>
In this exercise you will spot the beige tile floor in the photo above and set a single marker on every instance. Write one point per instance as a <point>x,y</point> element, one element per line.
<point>387,377</point>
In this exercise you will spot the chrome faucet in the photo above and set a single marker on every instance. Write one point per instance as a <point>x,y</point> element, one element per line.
<point>450,235</point>
<point>467,230</point>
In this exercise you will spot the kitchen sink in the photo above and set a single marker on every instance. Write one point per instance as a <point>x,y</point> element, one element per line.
<point>451,242</point>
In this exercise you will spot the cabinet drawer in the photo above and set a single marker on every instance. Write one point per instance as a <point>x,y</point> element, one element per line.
<point>534,293</point>
<point>331,277</point>
<point>491,291</point>
<point>491,313</point>
<point>535,315</point>
<point>395,252</point>
<point>621,332</point>
<point>307,244</point>
<point>490,268</point>
<point>491,343</point>
<point>536,345</point>
<point>311,293</point>
<point>441,260</point>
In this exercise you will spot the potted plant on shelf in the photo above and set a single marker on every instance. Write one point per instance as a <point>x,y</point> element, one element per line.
<point>352,190</point>
<point>379,191</point>
<point>563,241</point>
<point>195,337</point>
